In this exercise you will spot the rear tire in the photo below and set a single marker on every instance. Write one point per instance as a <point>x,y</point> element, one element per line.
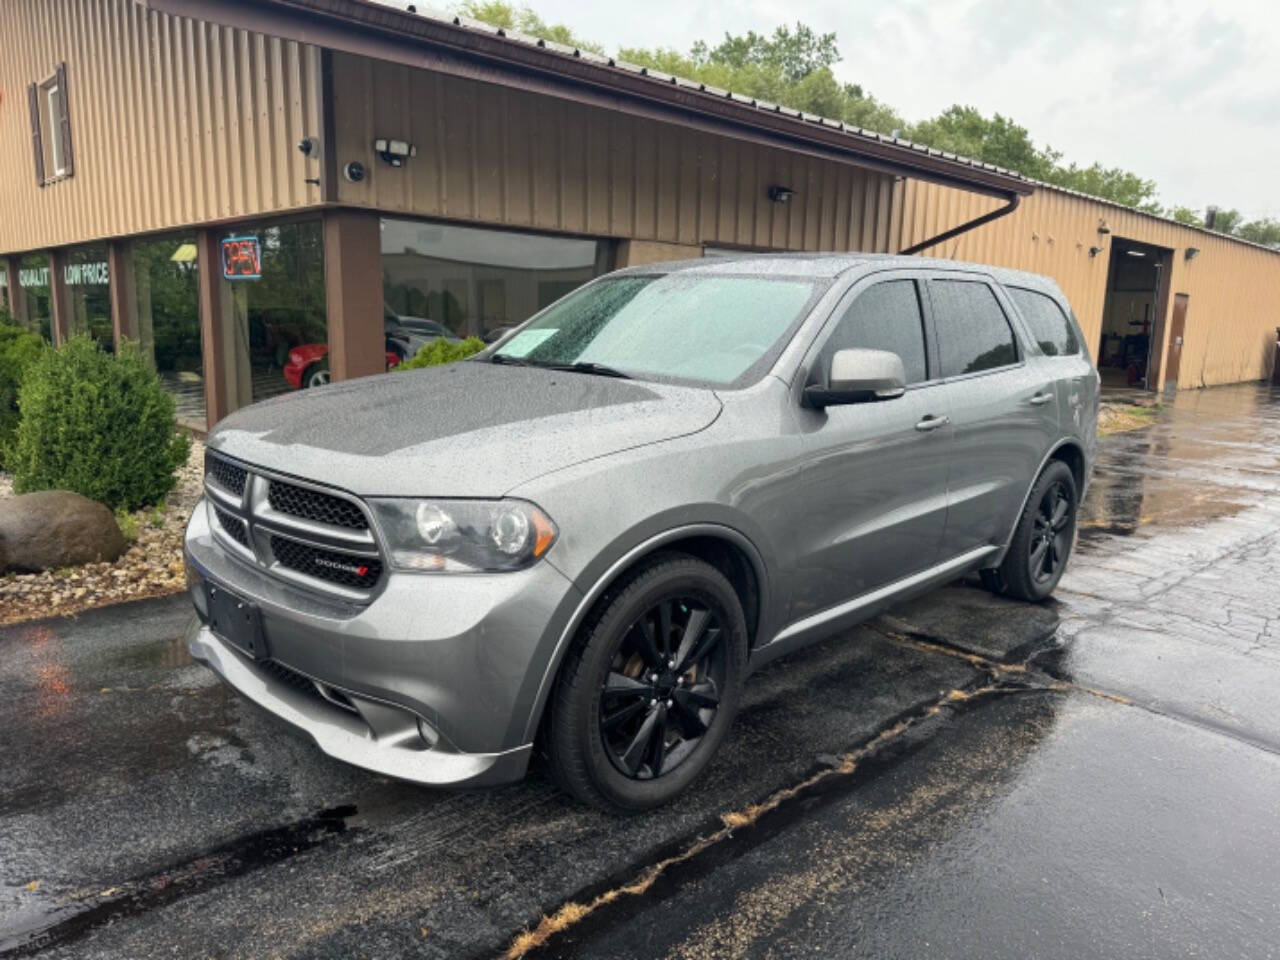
<point>1041,544</point>
<point>650,686</point>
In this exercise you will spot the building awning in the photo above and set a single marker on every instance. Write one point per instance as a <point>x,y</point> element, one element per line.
<point>478,51</point>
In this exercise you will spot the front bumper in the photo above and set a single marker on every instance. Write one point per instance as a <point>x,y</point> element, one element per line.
<point>377,736</point>
<point>435,680</point>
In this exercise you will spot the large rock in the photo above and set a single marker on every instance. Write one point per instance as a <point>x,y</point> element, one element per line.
<point>55,528</point>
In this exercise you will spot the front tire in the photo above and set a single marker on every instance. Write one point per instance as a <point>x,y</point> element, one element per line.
<point>650,687</point>
<point>1041,544</point>
<point>316,375</point>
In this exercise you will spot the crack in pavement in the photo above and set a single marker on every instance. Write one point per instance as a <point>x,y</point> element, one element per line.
<point>997,678</point>
<point>735,825</point>
<point>1046,679</point>
<point>82,916</point>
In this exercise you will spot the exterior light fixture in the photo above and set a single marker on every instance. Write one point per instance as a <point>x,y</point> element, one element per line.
<point>1103,228</point>
<point>1094,251</point>
<point>781,194</point>
<point>394,152</point>
<point>1192,253</point>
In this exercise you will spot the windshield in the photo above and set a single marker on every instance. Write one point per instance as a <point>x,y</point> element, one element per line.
<point>709,329</point>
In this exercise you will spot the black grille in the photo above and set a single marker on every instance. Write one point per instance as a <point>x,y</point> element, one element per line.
<point>345,569</point>
<point>226,475</point>
<point>233,525</point>
<point>313,505</point>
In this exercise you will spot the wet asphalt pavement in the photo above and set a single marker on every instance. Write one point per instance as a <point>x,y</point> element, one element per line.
<point>966,776</point>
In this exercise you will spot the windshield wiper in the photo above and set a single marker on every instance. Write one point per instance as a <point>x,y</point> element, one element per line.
<point>581,366</point>
<point>586,366</point>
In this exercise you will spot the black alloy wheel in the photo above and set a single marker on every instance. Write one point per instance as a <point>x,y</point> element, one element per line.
<point>1041,543</point>
<point>649,687</point>
<point>1051,537</point>
<point>663,687</point>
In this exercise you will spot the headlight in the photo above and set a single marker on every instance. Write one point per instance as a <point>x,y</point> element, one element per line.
<point>463,536</point>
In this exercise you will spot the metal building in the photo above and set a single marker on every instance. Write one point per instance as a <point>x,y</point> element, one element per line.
<point>258,192</point>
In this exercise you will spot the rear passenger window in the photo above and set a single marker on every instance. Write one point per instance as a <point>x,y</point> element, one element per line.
<point>973,332</point>
<point>1049,325</point>
<point>886,316</point>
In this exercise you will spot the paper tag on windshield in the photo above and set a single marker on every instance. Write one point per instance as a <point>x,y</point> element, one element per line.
<point>522,344</point>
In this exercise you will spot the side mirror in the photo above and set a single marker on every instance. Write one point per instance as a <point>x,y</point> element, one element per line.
<point>859,376</point>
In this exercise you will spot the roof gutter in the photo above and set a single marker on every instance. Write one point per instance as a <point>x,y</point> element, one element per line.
<point>965,227</point>
<point>384,33</point>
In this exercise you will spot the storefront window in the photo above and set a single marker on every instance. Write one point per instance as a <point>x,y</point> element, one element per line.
<point>88,294</point>
<point>274,280</point>
<point>33,278</point>
<point>163,295</point>
<point>444,280</point>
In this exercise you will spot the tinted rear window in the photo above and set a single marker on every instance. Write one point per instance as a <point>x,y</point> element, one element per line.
<point>973,332</point>
<point>884,317</point>
<point>1049,325</point>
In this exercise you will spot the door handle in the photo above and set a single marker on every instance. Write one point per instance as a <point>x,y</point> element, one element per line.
<point>932,423</point>
<point>1040,398</point>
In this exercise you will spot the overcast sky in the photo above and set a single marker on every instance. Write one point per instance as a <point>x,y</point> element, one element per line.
<point>1184,93</point>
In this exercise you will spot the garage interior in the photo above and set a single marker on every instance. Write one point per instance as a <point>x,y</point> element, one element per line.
<point>1137,294</point>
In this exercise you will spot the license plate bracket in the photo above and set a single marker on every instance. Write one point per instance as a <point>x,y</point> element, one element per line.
<point>237,621</point>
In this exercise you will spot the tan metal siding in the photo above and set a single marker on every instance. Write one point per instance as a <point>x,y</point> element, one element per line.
<point>502,156</point>
<point>174,122</point>
<point>1234,288</point>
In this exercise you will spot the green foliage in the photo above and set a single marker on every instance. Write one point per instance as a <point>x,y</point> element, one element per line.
<point>1110,183</point>
<point>441,351</point>
<point>1265,231</point>
<point>1185,215</point>
<point>98,424</point>
<point>997,140</point>
<point>128,525</point>
<point>19,349</point>
<point>508,16</point>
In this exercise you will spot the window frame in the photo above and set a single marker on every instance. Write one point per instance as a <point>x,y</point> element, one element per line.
<point>1066,315</point>
<point>1007,310</point>
<point>52,94</point>
<point>50,117</point>
<point>813,353</point>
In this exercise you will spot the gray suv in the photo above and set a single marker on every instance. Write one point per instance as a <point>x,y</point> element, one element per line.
<point>587,536</point>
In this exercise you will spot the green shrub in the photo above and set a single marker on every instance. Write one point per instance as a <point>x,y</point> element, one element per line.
<point>440,351</point>
<point>18,350</point>
<point>98,424</point>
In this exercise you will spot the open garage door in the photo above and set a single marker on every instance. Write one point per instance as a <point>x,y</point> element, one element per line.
<point>1133,314</point>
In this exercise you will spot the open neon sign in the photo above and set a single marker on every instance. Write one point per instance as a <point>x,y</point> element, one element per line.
<point>242,258</point>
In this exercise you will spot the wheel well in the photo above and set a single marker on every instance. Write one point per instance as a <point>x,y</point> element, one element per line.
<point>1073,457</point>
<point>725,556</point>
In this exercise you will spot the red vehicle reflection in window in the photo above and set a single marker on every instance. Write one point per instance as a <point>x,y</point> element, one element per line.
<point>241,258</point>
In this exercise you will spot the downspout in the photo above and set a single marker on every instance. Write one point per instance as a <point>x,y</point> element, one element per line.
<point>995,214</point>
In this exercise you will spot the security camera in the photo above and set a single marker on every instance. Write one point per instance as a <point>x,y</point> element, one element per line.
<point>307,146</point>
<point>354,171</point>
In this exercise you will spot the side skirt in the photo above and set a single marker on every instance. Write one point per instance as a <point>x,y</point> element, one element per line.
<point>833,620</point>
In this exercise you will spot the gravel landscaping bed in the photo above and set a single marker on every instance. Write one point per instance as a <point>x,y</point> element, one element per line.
<point>152,566</point>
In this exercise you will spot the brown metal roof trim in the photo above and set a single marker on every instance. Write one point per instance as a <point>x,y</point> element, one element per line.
<point>470,49</point>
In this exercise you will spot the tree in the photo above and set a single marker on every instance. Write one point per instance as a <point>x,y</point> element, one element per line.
<point>1265,231</point>
<point>998,140</point>
<point>524,20</point>
<point>1109,183</point>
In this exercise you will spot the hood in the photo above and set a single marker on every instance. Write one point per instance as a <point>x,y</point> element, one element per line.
<point>471,429</point>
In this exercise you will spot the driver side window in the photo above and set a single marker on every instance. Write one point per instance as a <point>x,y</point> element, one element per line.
<point>886,316</point>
